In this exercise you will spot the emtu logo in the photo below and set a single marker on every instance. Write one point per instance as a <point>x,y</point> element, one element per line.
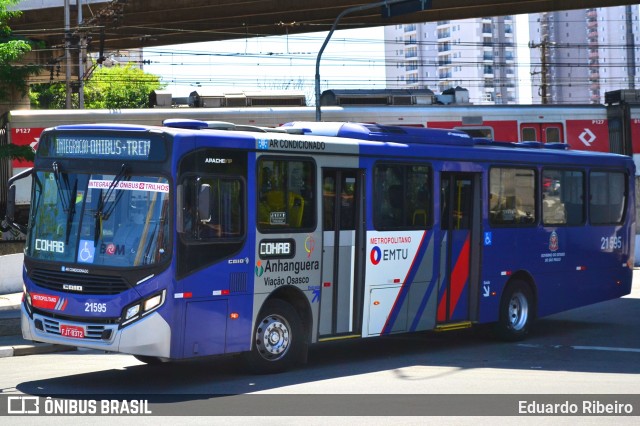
<point>375,255</point>
<point>259,269</point>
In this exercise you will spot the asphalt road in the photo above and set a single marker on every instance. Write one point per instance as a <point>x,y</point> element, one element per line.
<point>588,353</point>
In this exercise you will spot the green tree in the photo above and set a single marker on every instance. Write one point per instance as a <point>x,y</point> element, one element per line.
<point>116,87</point>
<point>14,76</point>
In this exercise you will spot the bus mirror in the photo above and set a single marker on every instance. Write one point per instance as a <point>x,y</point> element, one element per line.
<point>11,204</point>
<point>204,201</point>
<point>10,213</point>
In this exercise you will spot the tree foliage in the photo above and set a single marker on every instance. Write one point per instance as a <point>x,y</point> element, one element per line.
<point>13,75</point>
<point>117,87</point>
<point>16,152</point>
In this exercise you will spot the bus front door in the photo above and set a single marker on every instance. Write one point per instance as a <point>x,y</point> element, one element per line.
<point>341,295</point>
<point>459,257</point>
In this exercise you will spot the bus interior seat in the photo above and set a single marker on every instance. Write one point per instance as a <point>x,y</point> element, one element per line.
<point>274,202</point>
<point>420,217</point>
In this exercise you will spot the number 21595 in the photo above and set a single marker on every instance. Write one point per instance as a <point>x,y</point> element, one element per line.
<point>610,243</point>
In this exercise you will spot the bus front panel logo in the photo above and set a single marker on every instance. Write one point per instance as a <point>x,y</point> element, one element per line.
<point>376,255</point>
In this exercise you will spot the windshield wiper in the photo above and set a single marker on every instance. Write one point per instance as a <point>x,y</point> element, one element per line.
<point>102,214</point>
<point>56,175</point>
<point>72,210</point>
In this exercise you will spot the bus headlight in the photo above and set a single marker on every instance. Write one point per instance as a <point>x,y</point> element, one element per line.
<point>152,302</point>
<point>140,309</point>
<point>132,312</point>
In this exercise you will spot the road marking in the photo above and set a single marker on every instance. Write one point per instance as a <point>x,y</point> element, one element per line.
<point>580,348</point>
<point>605,348</point>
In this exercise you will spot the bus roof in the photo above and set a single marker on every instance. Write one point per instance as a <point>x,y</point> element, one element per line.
<point>373,139</point>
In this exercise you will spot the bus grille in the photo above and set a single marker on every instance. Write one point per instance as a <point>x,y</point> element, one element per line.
<point>96,332</point>
<point>90,283</point>
<point>238,282</point>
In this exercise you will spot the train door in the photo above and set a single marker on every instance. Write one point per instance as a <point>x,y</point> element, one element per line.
<point>460,224</point>
<point>341,292</point>
<point>541,132</point>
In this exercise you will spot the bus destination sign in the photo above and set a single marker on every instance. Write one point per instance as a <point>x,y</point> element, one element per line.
<point>106,147</point>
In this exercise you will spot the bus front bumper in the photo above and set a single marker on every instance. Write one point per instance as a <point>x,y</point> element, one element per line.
<point>150,336</point>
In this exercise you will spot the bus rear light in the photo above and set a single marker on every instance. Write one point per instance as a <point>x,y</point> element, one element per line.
<point>396,280</point>
<point>234,315</point>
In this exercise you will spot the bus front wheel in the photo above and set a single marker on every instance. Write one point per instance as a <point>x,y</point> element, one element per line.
<point>151,360</point>
<point>516,312</point>
<point>278,339</point>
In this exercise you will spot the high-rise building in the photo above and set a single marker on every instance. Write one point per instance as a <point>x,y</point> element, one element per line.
<point>476,54</point>
<point>578,55</point>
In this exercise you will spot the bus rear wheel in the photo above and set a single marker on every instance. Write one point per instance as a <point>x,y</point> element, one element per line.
<point>516,312</point>
<point>278,339</point>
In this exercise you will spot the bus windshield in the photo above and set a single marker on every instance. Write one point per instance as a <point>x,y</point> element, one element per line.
<point>102,220</point>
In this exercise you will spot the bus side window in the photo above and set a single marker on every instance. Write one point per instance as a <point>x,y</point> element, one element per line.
<point>512,198</point>
<point>211,208</point>
<point>402,196</point>
<point>562,197</point>
<point>607,197</point>
<point>286,191</point>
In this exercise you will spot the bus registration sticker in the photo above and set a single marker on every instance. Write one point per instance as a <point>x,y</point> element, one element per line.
<point>73,331</point>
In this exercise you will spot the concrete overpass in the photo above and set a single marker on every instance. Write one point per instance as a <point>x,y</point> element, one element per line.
<point>125,24</point>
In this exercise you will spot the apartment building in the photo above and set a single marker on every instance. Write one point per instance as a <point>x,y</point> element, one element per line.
<point>477,54</point>
<point>579,55</point>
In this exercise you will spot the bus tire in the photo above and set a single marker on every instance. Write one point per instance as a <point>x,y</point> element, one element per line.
<point>278,340</point>
<point>151,360</point>
<point>516,312</point>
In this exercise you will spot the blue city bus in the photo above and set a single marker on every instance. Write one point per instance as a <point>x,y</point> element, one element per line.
<point>186,240</point>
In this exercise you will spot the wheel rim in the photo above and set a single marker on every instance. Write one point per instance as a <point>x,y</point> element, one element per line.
<point>273,338</point>
<point>518,311</point>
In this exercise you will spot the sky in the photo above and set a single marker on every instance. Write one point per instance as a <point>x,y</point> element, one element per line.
<point>352,59</point>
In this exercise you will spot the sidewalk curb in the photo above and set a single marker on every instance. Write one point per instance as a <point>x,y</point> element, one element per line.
<point>37,349</point>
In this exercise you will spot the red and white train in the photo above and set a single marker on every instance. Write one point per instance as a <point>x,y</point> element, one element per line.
<point>614,127</point>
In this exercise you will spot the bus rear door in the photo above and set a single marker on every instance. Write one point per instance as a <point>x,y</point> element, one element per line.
<point>459,251</point>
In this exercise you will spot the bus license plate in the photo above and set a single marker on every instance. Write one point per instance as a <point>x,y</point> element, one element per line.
<point>72,331</point>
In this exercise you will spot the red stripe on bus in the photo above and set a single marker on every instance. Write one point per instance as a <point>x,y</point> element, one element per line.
<point>459,276</point>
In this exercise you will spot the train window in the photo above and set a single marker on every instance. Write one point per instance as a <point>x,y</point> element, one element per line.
<point>529,134</point>
<point>608,195</point>
<point>512,198</point>
<point>552,134</point>
<point>477,132</point>
<point>562,197</point>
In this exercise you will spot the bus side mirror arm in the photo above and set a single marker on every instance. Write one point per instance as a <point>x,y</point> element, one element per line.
<point>9,219</point>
